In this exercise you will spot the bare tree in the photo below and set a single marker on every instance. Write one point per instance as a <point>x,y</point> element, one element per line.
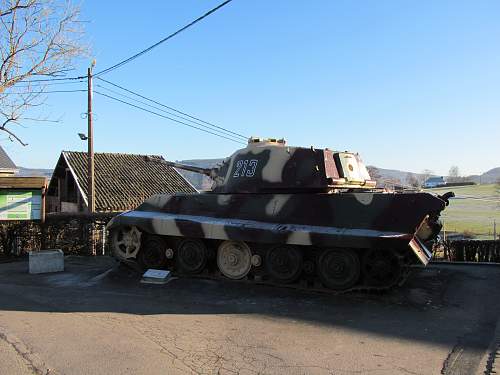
<point>38,38</point>
<point>454,174</point>
<point>412,180</point>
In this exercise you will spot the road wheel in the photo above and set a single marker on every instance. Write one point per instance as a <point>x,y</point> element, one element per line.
<point>234,259</point>
<point>152,254</point>
<point>338,269</point>
<point>191,256</point>
<point>125,242</point>
<point>284,263</point>
<point>381,268</point>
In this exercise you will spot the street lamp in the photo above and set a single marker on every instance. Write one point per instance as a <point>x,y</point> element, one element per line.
<point>83,137</point>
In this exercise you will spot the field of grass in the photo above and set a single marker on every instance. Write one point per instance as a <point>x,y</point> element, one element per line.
<point>473,209</point>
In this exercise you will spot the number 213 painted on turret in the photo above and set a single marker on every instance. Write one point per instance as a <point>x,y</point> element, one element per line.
<point>245,168</point>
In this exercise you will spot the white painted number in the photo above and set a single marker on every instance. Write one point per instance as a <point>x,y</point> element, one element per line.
<point>253,166</point>
<point>245,168</point>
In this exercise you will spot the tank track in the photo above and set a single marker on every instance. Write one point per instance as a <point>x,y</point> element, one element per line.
<point>309,283</point>
<point>316,287</point>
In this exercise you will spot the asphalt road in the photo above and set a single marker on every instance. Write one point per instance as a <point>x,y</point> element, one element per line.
<point>96,318</point>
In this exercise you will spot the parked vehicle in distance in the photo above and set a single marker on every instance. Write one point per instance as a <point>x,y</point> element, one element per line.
<point>433,182</point>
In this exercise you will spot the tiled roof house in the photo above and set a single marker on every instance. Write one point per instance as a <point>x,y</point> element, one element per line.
<point>122,182</point>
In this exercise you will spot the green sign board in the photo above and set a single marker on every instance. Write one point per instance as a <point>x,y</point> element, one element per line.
<point>20,204</point>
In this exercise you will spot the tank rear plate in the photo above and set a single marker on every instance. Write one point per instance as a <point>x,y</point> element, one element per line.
<point>420,250</point>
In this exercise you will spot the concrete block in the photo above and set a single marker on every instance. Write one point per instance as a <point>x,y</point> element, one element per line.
<point>45,261</point>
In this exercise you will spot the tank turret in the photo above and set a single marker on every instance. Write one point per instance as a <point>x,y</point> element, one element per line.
<point>270,166</point>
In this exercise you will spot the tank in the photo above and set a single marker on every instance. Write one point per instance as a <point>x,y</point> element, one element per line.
<point>295,216</point>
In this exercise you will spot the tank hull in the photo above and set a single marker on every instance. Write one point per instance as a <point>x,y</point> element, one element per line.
<point>364,220</point>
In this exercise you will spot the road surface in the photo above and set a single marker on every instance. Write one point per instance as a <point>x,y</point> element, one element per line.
<point>96,318</point>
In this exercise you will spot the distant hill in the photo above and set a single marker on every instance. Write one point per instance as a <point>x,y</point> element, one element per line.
<point>34,172</point>
<point>403,177</point>
<point>490,177</point>
<point>393,176</point>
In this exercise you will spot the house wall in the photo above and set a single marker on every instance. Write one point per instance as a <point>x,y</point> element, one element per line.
<point>67,197</point>
<point>69,207</point>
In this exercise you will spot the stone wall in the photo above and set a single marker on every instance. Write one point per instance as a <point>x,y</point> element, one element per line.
<point>81,234</point>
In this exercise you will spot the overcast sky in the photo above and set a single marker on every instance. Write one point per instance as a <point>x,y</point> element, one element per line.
<point>408,85</point>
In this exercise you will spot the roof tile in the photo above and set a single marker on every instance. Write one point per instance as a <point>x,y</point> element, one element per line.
<point>123,181</point>
<point>5,161</point>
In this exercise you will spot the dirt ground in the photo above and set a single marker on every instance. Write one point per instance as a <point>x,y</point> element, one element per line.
<point>96,318</point>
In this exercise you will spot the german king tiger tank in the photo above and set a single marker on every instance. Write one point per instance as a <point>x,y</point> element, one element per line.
<point>305,217</point>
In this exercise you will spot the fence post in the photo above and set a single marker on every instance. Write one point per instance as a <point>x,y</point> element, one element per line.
<point>92,237</point>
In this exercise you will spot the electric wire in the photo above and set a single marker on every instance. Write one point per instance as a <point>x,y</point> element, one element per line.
<point>168,118</point>
<point>216,127</point>
<point>41,92</point>
<point>157,108</point>
<point>52,79</point>
<point>127,60</point>
<point>27,84</point>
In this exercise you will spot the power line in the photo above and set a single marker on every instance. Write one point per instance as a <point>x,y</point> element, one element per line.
<point>232,133</point>
<point>123,62</point>
<point>52,79</point>
<point>35,84</point>
<point>151,106</point>
<point>169,118</point>
<point>41,92</point>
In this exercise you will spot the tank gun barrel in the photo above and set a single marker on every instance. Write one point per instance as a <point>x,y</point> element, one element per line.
<point>205,171</point>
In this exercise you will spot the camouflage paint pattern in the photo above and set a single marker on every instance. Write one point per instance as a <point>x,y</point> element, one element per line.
<point>274,194</point>
<point>272,167</point>
<point>354,220</point>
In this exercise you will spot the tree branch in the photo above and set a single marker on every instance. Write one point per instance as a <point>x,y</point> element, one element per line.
<point>38,38</point>
<point>11,134</point>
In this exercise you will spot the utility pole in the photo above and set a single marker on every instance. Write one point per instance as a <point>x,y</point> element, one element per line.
<point>90,153</point>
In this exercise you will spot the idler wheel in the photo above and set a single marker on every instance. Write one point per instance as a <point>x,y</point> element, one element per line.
<point>191,256</point>
<point>338,269</point>
<point>125,242</point>
<point>234,259</point>
<point>152,254</point>
<point>284,263</point>
<point>381,268</point>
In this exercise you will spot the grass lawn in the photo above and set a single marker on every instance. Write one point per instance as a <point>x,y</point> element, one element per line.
<point>473,209</point>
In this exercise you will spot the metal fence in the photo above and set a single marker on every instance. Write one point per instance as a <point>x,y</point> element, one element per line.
<point>82,234</point>
<point>468,251</point>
